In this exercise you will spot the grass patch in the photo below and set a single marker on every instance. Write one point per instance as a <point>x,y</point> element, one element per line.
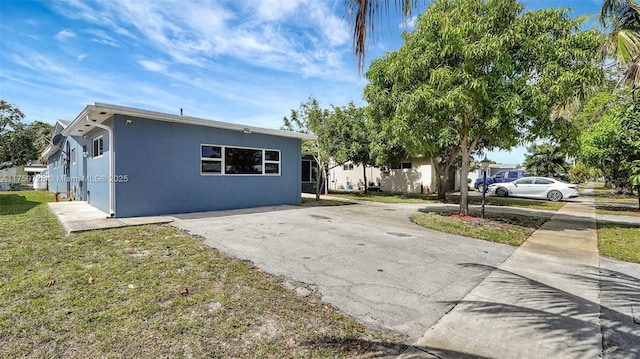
<point>311,202</point>
<point>504,228</point>
<point>617,210</point>
<point>433,198</point>
<point>607,202</point>
<point>620,241</point>
<point>151,291</point>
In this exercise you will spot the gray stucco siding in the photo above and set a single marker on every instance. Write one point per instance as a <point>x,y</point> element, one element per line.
<point>158,168</point>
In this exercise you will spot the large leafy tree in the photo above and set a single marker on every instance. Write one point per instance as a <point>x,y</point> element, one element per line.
<point>310,118</point>
<point>484,71</point>
<point>10,115</point>
<point>20,143</point>
<point>613,146</point>
<point>351,136</point>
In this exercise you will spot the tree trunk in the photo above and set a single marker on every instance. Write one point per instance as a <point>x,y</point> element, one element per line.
<point>364,173</point>
<point>464,173</point>
<point>440,178</point>
<point>319,185</point>
<point>442,194</point>
<point>325,181</point>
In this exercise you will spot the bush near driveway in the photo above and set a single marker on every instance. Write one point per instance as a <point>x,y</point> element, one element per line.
<point>152,291</point>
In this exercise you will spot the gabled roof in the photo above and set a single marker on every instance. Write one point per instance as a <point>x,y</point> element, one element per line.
<point>54,147</point>
<point>100,112</point>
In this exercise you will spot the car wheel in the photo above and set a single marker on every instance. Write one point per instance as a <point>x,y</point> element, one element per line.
<point>501,192</point>
<point>481,188</point>
<point>554,196</point>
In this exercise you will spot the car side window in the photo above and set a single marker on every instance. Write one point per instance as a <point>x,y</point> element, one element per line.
<point>524,181</point>
<point>500,175</point>
<point>543,181</point>
<point>513,174</point>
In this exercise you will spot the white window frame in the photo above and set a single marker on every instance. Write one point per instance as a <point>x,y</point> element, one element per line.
<point>93,147</point>
<point>265,161</point>
<point>73,156</point>
<point>347,167</point>
<point>222,160</point>
<point>209,159</point>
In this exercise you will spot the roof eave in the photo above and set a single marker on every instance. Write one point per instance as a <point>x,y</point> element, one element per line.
<point>49,151</point>
<point>99,112</point>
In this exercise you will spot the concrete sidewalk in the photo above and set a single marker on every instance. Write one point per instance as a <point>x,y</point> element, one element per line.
<point>79,216</point>
<point>542,302</point>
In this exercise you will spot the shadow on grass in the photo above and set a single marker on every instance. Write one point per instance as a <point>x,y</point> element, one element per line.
<point>370,348</point>
<point>11,203</point>
<point>623,209</point>
<point>552,312</point>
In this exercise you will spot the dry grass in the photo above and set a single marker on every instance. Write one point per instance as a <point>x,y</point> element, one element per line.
<point>152,291</point>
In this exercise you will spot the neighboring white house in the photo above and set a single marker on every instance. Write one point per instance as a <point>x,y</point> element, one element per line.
<point>21,174</point>
<point>414,175</point>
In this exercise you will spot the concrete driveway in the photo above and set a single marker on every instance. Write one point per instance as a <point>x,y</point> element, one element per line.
<point>366,259</point>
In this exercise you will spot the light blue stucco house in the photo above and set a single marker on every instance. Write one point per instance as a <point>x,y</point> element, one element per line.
<point>129,162</point>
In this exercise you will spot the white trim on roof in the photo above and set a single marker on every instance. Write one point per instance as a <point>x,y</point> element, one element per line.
<point>100,112</point>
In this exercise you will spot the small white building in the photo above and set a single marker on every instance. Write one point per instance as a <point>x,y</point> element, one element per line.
<point>414,175</point>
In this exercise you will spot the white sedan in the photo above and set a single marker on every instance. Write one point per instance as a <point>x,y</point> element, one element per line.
<point>535,187</point>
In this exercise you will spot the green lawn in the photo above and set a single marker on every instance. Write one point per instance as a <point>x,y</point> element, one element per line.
<point>619,241</point>
<point>151,291</point>
<point>504,228</point>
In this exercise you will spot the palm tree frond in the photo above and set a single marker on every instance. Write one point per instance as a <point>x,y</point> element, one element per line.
<point>631,75</point>
<point>363,15</point>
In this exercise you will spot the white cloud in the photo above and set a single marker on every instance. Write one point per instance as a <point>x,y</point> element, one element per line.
<point>302,36</point>
<point>153,66</point>
<point>81,57</point>
<point>64,35</point>
<point>101,37</point>
<point>275,10</point>
<point>409,24</point>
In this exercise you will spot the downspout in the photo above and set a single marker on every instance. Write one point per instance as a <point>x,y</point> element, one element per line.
<point>112,153</point>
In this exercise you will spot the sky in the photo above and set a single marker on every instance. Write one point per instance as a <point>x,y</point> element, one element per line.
<point>247,62</point>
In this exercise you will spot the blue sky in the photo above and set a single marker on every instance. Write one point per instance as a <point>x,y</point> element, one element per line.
<point>247,62</point>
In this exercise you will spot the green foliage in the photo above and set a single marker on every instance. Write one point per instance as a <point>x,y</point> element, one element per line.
<point>343,132</point>
<point>350,134</point>
<point>546,160</point>
<point>477,74</point>
<point>310,118</point>
<point>580,173</point>
<point>10,115</point>
<point>621,18</point>
<point>613,145</point>
<point>20,143</point>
